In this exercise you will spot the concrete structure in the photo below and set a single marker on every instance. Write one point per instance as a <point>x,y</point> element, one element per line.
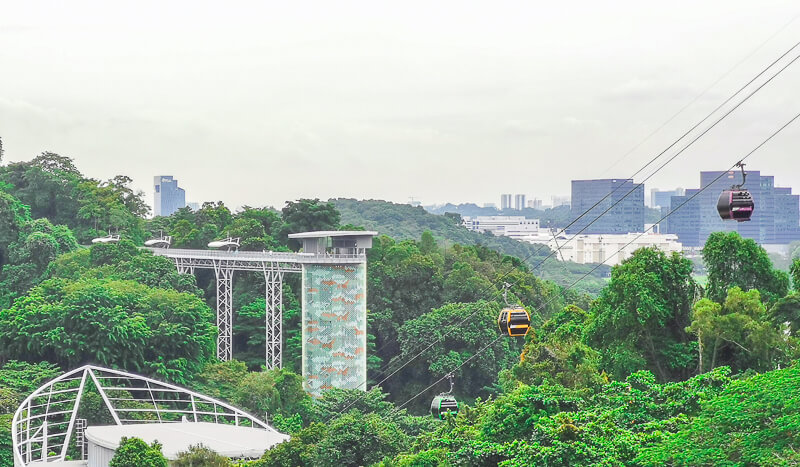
<point>46,424</point>
<point>194,206</point>
<point>336,248</point>
<point>334,314</point>
<point>509,226</point>
<point>610,249</point>
<point>333,267</point>
<point>167,196</point>
<point>505,201</point>
<point>597,197</point>
<point>661,198</point>
<point>519,202</point>
<point>235,442</point>
<point>775,220</point>
<point>614,249</point>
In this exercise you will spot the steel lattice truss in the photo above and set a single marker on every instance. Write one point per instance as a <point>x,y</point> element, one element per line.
<point>273,265</point>
<point>43,426</point>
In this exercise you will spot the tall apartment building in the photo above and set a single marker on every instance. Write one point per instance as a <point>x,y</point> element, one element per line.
<point>775,220</point>
<point>168,197</point>
<point>625,217</point>
<point>560,201</point>
<point>505,201</point>
<point>534,203</point>
<point>519,202</point>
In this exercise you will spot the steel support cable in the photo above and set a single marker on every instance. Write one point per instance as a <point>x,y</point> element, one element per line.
<point>769,138</point>
<point>684,148</point>
<point>703,93</point>
<point>695,126</point>
<point>398,408</point>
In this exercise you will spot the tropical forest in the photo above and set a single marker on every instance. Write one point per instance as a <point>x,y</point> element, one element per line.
<point>640,364</point>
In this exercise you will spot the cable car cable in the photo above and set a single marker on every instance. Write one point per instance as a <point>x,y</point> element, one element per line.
<point>745,99</point>
<point>722,174</point>
<point>695,126</point>
<point>703,133</point>
<point>703,93</point>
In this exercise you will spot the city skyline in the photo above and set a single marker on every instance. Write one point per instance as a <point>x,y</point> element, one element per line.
<point>496,96</point>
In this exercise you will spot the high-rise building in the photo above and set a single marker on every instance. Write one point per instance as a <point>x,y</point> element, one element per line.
<point>193,205</point>
<point>661,198</point>
<point>168,197</point>
<point>519,202</point>
<point>775,220</point>
<point>534,203</point>
<point>560,201</point>
<point>505,201</point>
<point>597,196</point>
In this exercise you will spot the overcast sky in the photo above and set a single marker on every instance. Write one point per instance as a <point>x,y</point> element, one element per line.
<point>261,102</point>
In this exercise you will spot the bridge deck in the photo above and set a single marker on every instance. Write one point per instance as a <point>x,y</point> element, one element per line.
<point>254,260</point>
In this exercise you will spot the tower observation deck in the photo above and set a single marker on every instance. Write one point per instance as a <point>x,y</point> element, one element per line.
<point>334,312</point>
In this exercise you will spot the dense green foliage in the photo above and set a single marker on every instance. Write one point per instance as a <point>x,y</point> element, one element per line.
<point>754,421</point>
<point>133,452</point>
<point>647,373</point>
<point>735,261</point>
<point>200,456</point>
<point>53,188</point>
<point>640,318</point>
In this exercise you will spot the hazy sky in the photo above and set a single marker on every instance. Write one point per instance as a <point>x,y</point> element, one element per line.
<point>261,102</point>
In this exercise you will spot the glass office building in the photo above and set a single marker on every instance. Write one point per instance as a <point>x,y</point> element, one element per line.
<point>167,196</point>
<point>625,217</point>
<point>775,220</point>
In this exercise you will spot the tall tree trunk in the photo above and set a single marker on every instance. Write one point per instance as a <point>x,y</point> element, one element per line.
<point>714,353</point>
<point>700,352</point>
<point>660,370</point>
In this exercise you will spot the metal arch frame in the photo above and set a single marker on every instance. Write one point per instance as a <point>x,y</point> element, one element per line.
<point>32,431</point>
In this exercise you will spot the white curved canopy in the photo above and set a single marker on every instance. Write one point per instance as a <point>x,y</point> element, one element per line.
<point>44,423</point>
<point>110,238</point>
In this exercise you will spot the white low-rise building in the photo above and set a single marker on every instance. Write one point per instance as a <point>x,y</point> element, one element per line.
<point>611,249</point>
<point>516,227</point>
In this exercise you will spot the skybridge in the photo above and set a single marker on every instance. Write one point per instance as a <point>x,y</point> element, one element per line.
<point>326,258</point>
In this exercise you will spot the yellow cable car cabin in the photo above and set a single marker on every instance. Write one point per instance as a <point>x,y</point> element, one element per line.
<point>514,321</point>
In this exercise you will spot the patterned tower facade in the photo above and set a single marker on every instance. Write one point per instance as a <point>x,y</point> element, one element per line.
<point>334,327</point>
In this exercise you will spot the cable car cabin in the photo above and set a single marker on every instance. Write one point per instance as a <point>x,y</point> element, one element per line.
<point>514,321</point>
<point>442,405</point>
<point>735,205</point>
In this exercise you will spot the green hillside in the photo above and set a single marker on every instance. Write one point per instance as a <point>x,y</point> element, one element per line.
<point>402,221</point>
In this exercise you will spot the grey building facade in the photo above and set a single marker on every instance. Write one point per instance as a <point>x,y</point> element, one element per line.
<point>661,198</point>
<point>775,220</point>
<point>168,197</point>
<point>625,217</point>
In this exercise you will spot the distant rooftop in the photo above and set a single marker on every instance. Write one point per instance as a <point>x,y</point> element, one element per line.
<point>334,233</point>
<point>227,440</point>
